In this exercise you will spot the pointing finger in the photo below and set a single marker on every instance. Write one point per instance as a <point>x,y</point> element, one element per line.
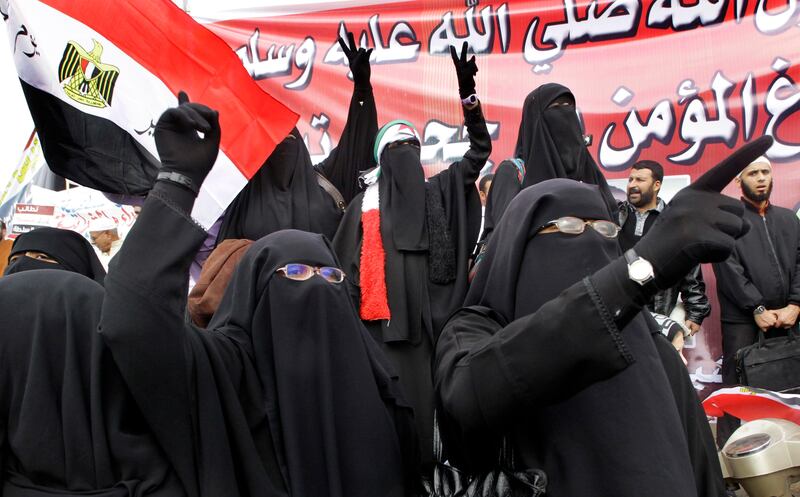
<point>716,178</point>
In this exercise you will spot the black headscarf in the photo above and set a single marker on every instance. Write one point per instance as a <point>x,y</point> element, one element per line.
<point>550,141</point>
<point>283,194</point>
<point>588,441</point>
<point>67,422</point>
<point>332,405</point>
<point>506,185</point>
<point>70,250</point>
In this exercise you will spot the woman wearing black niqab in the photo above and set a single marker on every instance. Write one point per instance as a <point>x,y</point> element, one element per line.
<point>283,393</point>
<point>68,425</point>
<point>288,192</point>
<point>579,437</point>
<point>553,352</point>
<point>67,250</point>
<point>550,141</point>
<point>405,244</point>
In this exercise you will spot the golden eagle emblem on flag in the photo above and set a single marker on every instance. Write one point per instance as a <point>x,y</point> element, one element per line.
<point>85,78</point>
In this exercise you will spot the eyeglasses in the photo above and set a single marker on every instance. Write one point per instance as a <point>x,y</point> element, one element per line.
<point>302,272</point>
<point>576,226</point>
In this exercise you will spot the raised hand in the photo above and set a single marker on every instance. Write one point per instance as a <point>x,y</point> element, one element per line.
<point>180,147</point>
<point>700,224</point>
<point>465,69</point>
<point>358,59</point>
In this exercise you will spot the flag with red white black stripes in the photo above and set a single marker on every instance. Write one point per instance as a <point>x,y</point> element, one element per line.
<point>97,76</point>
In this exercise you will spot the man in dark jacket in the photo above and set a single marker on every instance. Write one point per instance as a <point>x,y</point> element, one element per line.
<point>636,216</point>
<point>759,285</point>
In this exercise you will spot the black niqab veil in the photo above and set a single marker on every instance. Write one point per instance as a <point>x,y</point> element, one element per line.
<point>620,436</point>
<point>283,194</point>
<point>402,197</point>
<point>506,185</point>
<point>330,401</point>
<point>70,250</point>
<point>68,425</point>
<point>550,142</point>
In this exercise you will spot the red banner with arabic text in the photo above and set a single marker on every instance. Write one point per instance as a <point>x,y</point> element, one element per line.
<point>682,82</point>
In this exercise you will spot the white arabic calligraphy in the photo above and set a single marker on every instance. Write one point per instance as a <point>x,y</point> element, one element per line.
<point>448,143</point>
<point>698,130</point>
<point>480,40</point>
<point>401,47</point>
<point>618,19</point>
<point>660,126</point>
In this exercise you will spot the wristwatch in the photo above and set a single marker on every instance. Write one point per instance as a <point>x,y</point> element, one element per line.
<point>639,270</point>
<point>470,100</point>
<point>759,310</point>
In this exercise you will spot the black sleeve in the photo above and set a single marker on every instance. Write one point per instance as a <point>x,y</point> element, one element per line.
<point>486,373</point>
<point>142,321</point>
<point>732,282</point>
<point>794,291</point>
<point>480,146</point>
<point>347,246</point>
<point>693,293</point>
<point>354,152</point>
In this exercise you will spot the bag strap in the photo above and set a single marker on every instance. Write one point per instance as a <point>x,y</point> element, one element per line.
<point>331,190</point>
<point>792,334</point>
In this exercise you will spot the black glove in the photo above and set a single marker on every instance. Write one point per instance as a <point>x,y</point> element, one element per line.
<point>179,146</point>
<point>358,58</point>
<point>466,71</point>
<point>700,224</point>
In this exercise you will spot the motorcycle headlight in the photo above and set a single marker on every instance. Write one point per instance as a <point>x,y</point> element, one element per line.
<point>747,445</point>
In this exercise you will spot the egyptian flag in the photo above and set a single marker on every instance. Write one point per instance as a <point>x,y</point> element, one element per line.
<point>98,74</point>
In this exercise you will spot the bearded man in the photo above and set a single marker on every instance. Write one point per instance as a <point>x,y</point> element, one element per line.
<point>759,285</point>
<point>636,216</point>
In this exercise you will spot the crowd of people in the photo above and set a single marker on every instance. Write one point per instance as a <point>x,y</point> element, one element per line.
<point>358,330</point>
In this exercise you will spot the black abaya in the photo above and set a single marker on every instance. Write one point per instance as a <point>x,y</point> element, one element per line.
<point>702,449</point>
<point>275,397</point>
<point>70,250</point>
<point>285,193</point>
<point>68,425</point>
<point>551,143</point>
<point>562,364</point>
<point>420,306</point>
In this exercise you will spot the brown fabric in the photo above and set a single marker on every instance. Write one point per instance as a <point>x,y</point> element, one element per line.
<point>5,249</point>
<point>214,278</point>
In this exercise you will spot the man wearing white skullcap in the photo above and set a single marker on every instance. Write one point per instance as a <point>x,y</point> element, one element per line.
<point>105,238</point>
<point>759,285</point>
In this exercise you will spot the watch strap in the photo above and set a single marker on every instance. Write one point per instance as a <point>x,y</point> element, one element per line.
<point>649,284</point>
<point>631,256</point>
<point>178,178</point>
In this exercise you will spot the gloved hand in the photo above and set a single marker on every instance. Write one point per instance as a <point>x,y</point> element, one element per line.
<point>179,146</point>
<point>465,69</point>
<point>358,59</point>
<point>700,224</point>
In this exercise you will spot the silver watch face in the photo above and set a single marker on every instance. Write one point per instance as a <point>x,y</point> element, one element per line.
<point>640,270</point>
